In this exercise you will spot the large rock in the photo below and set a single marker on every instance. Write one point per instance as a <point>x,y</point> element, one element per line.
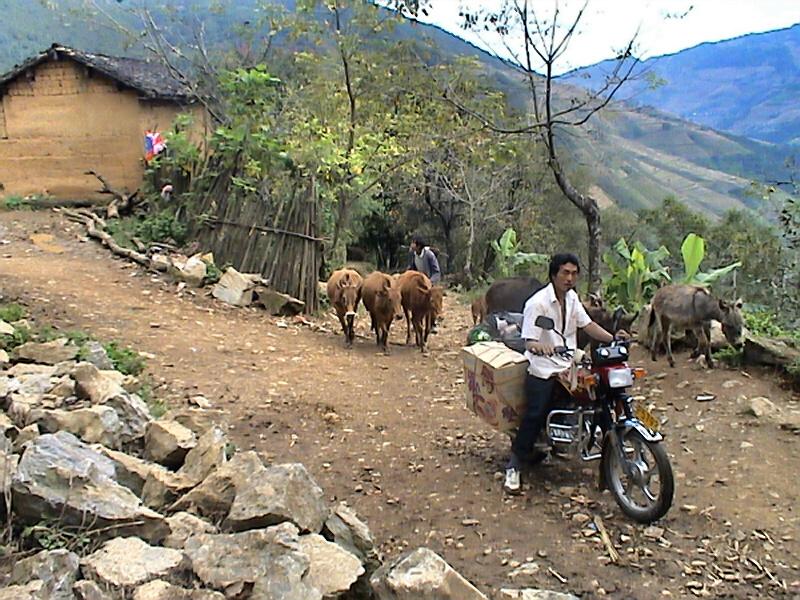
<point>56,569</point>
<point>8,466</point>
<point>333,570</point>
<point>25,435</point>
<point>6,328</point>
<point>534,594</point>
<point>93,385</point>
<point>163,487</point>
<point>182,526</point>
<point>20,370</point>
<point>271,561</point>
<point>767,351</point>
<point>95,425</point>
<point>125,562</point>
<point>758,407</point>
<point>29,591</point>
<point>60,477</point>
<point>191,270</point>
<point>214,496</point>
<point>206,456</point>
<point>236,288</point>
<point>89,590</point>
<point>7,427</point>
<point>95,353</point>
<point>280,493</point>
<point>168,442</point>
<point>48,353</point>
<point>163,590</point>
<point>5,359</point>
<point>199,420</point>
<point>277,303</point>
<point>134,415</point>
<point>130,471</point>
<point>343,527</point>
<point>422,575</point>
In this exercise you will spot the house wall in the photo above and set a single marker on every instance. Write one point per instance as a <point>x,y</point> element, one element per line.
<point>61,121</point>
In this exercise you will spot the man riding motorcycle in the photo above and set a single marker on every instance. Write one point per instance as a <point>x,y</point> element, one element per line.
<point>560,302</point>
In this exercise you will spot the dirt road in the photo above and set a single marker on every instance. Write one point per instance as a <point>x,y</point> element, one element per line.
<point>390,435</point>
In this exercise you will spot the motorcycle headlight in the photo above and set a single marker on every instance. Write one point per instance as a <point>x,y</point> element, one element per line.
<point>620,378</point>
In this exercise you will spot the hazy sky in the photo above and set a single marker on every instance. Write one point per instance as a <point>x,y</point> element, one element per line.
<point>665,26</point>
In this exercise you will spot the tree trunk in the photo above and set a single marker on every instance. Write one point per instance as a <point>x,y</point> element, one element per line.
<point>591,212</point>
<point>470,244</point>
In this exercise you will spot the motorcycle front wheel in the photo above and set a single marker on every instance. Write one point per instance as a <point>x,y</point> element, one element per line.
<point>643,491</point>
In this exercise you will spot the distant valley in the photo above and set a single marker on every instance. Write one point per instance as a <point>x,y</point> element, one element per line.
<point>748,86</point>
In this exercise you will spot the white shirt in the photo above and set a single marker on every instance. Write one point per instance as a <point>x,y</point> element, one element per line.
<point>545,303</point>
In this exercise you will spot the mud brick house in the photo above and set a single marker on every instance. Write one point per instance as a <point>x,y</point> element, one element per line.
<point>64,112</point>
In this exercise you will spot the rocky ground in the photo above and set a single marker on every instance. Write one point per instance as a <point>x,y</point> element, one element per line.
<point>390,436</point>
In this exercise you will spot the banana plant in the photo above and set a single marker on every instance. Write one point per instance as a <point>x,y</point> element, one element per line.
<point>510,260</point>
<point>636,274</point>
<point>693,251</point>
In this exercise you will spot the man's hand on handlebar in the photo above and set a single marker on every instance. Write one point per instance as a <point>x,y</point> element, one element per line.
<point>622,336</point>
<point>541,348</point>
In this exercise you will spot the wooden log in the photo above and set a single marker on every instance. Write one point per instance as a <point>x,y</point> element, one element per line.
<point>612,551</point>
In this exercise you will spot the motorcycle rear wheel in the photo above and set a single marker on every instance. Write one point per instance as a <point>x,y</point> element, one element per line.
<point>637,495</point>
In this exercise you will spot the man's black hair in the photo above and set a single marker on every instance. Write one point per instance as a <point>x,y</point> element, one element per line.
<point>418,240</point>
<point>562,259</point>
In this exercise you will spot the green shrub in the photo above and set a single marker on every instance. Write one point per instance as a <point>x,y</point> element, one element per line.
<point>125,360</point>
<point>52,534</point>
<point>11,312</point>
<point>16,203</point>
<point>765,323</point>
<point>730,356</point>
<point>161,226</point>
<point>21,335</point>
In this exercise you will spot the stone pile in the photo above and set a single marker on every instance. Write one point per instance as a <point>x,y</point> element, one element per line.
<point>169,513</point>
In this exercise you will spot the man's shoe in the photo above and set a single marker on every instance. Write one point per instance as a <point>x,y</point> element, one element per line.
<point>511,484</point>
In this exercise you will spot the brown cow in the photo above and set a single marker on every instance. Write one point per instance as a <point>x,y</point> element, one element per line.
<point>692,307</point>
<point>344,292</point>
<point>478,309</point>
<point>382,300</point>
<point>419,300</point>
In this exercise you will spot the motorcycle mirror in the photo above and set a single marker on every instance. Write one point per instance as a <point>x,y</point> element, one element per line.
<point>545,323</point>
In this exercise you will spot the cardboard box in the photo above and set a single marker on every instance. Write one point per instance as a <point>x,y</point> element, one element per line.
<point>495,383</point>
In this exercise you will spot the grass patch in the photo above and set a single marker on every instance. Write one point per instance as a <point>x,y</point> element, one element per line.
<point>11,312</point>
<point>156,405</point>
<point>15,203</point>
<point>21,335</point>
<point>125,360</point>
<point>730,356</point>
<point>51,534</point>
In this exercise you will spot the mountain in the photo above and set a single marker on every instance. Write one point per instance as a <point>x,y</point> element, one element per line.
<point>747,86</point>
<point>636,156</point>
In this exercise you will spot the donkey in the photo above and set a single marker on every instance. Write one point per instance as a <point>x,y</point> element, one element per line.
<point>692,307</point>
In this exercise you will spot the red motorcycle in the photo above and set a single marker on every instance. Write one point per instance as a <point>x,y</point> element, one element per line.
<point>594,417</point>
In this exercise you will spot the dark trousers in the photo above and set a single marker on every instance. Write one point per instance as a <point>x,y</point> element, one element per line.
<point>539,394</point>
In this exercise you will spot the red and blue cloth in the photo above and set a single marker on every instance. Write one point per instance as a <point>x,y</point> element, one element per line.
<point>154,144</point>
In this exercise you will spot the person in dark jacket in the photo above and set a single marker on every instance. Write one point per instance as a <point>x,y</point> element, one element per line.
<point>424,260</point>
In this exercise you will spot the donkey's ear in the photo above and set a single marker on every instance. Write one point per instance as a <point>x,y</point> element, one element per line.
<point>739,303</point>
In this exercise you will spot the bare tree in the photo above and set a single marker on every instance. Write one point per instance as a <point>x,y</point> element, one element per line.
<point>538,43</point>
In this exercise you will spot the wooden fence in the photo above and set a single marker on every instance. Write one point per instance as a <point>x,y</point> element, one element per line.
<point>278,239</point>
